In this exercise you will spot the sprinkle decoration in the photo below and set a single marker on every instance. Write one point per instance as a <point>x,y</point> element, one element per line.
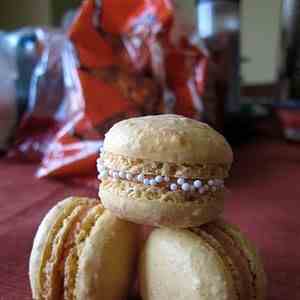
<point>180,184</point>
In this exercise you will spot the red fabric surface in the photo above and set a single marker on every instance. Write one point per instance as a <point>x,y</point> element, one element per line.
<point>264,200</point>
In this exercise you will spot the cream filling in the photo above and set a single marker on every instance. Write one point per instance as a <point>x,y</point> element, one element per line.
<point>173,184</point>
<point>132,190</point>
<point>136,166</point>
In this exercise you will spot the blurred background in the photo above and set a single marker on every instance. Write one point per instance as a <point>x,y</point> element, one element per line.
<point>70,69</point>
<point>246,84</point>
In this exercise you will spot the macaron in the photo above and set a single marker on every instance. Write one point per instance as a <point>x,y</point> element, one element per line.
<point>164,170</point>
<point>212,262</point>
<point>82,251</point>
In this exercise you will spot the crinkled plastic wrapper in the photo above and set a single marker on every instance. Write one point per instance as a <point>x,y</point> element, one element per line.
<point>128,66</point>
<point>53,96</point>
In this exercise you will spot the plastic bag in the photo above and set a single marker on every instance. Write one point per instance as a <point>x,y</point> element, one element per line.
<point>8,103</point>
<point>18,57</point>
<point>53,96</point>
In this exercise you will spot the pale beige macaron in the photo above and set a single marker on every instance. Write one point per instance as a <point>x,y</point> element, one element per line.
<point>164,170</point>
<point>82,252</point>
<point>211,262</point>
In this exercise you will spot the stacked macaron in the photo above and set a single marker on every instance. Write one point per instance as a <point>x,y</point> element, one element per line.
<point>166,171</point>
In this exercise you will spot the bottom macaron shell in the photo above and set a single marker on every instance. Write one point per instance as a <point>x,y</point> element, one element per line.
<point>177,264</point>
<point>156,212</point>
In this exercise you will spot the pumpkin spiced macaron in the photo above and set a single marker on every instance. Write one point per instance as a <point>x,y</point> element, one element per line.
<point>164,170</point>
<point>82,251</point>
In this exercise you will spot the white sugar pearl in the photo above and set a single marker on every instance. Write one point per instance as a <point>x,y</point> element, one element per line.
<point>122,174</point>
<point>166,179</point>
<point>214,189</point>
<point>192,188</point>
<point>158,179</point>
<point>210,182</point>
<point>185,187</point>
<point>197,184</point>
<point>129,176</point>
<point>100,168</point>
<point>103,174</point>
<point>146,181</point>
<point>173,187</point>
<point>180,181</point>
<point>140,177</point>
<point>201,190</point>
<point>206,188</point>
<point>115,174</point>
<point>110,172</point>
<point>153,182</point>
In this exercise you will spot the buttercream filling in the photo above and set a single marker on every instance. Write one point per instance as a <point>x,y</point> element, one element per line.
<point>136,166</point>
<point>174,184</point>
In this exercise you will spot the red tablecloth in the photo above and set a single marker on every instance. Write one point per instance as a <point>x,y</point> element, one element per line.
<point>264,200</point>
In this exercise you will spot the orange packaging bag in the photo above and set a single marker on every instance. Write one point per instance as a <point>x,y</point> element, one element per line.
<point>127,66</point>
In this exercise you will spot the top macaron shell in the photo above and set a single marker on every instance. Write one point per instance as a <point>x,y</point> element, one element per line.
<point>168,138</point>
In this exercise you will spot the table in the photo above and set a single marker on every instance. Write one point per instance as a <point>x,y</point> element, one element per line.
<point>264,199</point>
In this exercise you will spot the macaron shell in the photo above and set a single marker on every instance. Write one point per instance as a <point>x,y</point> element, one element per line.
<point>255,263</point>
<point>143,208</point>
<point>178,264</point>
<point>107,260</point>
<point>168,138</point>
<point>50,225</point>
